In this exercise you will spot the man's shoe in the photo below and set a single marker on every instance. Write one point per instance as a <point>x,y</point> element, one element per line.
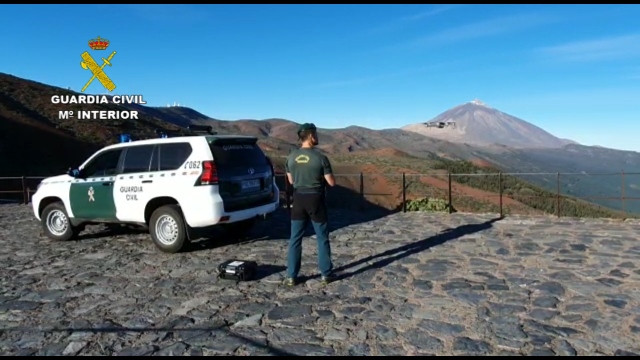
<point>327,279</point>
<point>289,282</point>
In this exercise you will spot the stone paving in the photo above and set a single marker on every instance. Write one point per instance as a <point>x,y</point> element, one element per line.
<point>410,284</point>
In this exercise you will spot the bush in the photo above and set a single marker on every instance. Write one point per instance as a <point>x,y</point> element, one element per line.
<point>428,204</point>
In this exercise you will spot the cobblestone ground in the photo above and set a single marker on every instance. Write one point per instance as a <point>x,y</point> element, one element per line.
<point>410,284</point>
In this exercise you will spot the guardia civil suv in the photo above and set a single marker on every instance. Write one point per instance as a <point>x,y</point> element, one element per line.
<point>174,186</point>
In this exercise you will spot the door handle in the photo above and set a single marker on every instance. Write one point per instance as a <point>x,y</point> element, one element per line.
<point>108,183</point>
<point>147,181</point>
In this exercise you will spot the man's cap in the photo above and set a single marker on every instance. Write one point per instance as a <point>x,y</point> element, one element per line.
<point>306,126</point>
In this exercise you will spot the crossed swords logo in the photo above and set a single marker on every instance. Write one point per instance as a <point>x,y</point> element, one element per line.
<point>91,192</point>
<point>97,71</point>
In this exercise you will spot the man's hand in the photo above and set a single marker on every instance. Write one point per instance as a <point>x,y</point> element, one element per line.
<point>331,181</point>
<point>290,178</point>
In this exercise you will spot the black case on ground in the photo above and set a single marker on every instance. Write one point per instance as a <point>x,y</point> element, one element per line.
<point>241,270</point>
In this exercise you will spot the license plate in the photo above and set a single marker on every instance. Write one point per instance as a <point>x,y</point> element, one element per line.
<point>250,184</point>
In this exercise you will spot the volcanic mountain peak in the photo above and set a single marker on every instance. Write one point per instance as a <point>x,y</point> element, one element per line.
<point>476,123</point>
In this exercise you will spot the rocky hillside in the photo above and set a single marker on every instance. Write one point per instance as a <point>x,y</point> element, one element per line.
<point>34,141</point>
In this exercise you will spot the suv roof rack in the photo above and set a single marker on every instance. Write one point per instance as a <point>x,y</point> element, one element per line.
<point>189,131</point>
<point>201,128</point>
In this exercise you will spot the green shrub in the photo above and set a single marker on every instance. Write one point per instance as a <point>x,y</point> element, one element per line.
<point>428,204</point>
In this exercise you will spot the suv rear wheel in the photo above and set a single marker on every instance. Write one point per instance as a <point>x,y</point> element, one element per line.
<point>56,224</point>
<point>167,228</point>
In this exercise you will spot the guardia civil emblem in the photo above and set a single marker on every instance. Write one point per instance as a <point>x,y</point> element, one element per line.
<point>88,63</point>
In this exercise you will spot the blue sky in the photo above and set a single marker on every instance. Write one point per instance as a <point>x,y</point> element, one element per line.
<point>573,70</point>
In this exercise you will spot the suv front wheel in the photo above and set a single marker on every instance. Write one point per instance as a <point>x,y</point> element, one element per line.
<point>56,224</point>
<point>167,228</point>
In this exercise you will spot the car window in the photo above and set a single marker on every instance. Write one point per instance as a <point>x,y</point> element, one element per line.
<point>238,154</point>
<point>172,156</point>
<point>137,159</point>
<point>104,164</point>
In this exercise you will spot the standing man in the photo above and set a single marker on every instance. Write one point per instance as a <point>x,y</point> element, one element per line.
<point>308,170</point>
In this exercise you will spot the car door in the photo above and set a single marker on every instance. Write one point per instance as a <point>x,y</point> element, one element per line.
<point>91,194</point>
<point>134,186</point>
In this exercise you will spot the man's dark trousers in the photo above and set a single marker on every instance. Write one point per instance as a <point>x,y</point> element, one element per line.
<point>309,206</point>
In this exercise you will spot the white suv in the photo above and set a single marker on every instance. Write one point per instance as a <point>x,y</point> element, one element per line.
<point>174,186</point>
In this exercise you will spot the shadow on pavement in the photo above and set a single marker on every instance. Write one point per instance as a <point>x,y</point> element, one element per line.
<point>111,230</point>
<point>403,251</point>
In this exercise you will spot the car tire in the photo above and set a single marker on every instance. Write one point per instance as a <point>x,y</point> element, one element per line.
<point>167,228</point>
<point>56,224</point>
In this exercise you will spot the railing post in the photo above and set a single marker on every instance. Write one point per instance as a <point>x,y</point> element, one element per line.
<point>624,211</point>
<point>558,197</point>
<point>404,193</point>
<point>500,186</point>
<point>361,191</point>
<point>450,202</point>
<point>24,192</point>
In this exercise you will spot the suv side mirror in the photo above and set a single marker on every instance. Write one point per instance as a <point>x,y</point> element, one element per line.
<point>75,173</point>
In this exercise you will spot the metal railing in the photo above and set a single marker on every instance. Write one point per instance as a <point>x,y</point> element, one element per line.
<point>451,187</point>
<point>19,188</point>
<point>454,186</point>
